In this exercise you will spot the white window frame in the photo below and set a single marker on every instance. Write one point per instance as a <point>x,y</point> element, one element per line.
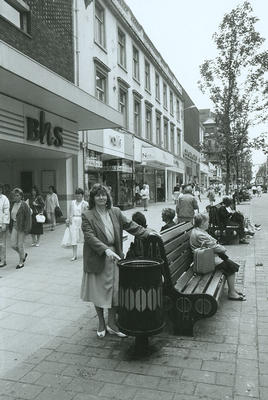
<point>122,89</point>
<point>147,76</point>
<point>165,102</point>
<point>158,134</point>
<point>136,63</point>
<point>121,45</point>
<point>171,102</point>
<point>166,138</point>
<point>157,86</point>
<point>148,133</point>
<point>99,25</point>
<point>137,127</point>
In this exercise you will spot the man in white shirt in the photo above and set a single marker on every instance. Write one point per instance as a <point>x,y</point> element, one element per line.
<point>4,221</point>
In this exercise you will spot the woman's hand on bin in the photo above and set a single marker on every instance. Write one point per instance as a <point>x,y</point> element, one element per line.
<point>112,255</point>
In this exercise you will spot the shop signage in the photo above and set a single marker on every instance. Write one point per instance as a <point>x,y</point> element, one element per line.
<point>191,156</point>
<point>116,141</point>
<point>154,155</point>
<point>91,162</point>
<point>42,131</point>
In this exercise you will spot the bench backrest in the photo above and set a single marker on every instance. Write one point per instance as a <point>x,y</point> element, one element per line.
<point>174,248</point>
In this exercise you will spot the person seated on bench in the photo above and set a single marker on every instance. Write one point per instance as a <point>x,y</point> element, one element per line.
<point>136,247</point>
<point>199,237</point>
<point>228,216</point>
<point>168,214</point>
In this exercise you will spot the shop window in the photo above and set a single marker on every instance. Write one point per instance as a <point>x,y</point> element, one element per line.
<point>99,25</point>
<point>122,49</point>
<point>148,123</point>
<point>158,129</point>
<point>17,12</point>
<point>136,64</point>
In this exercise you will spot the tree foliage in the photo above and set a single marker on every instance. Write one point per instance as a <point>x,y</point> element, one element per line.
<point>236,81</point>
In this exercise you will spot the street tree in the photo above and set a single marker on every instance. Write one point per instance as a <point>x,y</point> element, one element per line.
<point>235,80</point>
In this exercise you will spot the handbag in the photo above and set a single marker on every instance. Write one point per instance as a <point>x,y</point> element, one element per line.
<point>66,240</point>
<point>204,261</point>
<point>58,212</point>
<point>40,218</point>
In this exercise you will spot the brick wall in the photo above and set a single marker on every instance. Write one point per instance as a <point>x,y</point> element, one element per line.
<point>51,39</point>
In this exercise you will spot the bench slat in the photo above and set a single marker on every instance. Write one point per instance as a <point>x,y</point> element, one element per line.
<point>176,253</point>
<point>193,283</point>
<point>183,265</point>
<point>184,278</point>
<point>212,288</point>
<point>175,242</point>
<point>203,283</point>
<point>175,231</point>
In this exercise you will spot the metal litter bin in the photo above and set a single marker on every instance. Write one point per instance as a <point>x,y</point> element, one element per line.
<point>140,311</point>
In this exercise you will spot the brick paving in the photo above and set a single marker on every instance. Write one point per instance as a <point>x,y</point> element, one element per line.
<point>49,349</point>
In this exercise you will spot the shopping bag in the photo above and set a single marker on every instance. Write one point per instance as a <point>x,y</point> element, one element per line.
<point>58,212</point>
<point>204,261</point>
<point>40,218</point>
<point>66,240</point>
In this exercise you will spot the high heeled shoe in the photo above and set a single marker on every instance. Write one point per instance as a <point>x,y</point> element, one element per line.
<point>73,259</point>
<point>117,333</point>
<point>101,334</point>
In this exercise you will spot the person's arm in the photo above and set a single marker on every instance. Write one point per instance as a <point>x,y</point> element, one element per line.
<point>209,242</point>
<point>90,237</point>
<point>6,214</point>
<point>57,200</point>
<point>28,218</point>
<point>133,228</point>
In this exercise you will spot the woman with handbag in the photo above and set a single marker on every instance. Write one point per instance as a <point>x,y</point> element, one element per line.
<point>103,227</point>
<point>200,238</point>
<point>20,225</point>
<point>77,207</point>
<point>36,204</point>
<point>51,203</point>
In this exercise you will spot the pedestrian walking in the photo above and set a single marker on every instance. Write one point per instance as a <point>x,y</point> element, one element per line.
<point>51,203</point>
<point>137,194</point>
<point>4,222</point>
<point>77,207</point>
<point>20,225</point>
<point>197,192</point>
<point>200,238</point>
<point>37,205</point>
<point>145,196</point>
<point>254,190</point>
<point>211,195</point>
<point>103,228</point>
<point>186,205</point>
<point>259,190</point>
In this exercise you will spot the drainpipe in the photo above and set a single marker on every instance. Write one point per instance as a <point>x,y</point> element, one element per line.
<point>76,43</point>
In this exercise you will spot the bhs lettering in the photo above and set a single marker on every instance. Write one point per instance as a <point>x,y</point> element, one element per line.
<point>42,131</point>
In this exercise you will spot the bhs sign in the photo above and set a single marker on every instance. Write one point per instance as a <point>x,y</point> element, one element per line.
<point>42,131</point>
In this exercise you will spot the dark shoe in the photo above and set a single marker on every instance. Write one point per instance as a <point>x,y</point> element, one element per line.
<point>19,266</point>
<point>240,298</point>
<point>3,264</point>
<point>25,256</point>
<point>250,233</point>
<point>257,225</point>
<point>243,241</point>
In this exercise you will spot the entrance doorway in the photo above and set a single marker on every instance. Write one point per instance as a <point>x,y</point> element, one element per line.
<point>26,181</point>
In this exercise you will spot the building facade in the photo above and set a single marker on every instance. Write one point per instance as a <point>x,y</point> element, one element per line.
<point>119,65</point>
<point>41,109</point>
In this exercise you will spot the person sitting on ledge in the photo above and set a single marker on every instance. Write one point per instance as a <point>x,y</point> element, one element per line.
<point>230,217</point>
<point>168,215</point>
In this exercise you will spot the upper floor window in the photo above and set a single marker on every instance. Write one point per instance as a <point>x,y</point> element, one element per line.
<point>136,64</point>
<point>172,139</point>
<point>137,116</point>
<point>99,24</point>
<point>148,123</point>
<point>178,111</point>
<point>122,49</point>
<point>16,12</point>
<point>179,142</point>
<point>165,95</point>
<point>166,134</point>
<point>101,85</point>
<point>147,76</point>
<point>123,104</point>
<point>158,129</point>
<point>171,105</point>
<point>157,86</point>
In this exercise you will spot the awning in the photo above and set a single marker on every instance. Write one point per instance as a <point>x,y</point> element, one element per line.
<point>25,80</point>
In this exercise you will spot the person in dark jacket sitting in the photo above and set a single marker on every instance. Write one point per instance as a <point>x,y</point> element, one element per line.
<point>168,215</point>
<point>228,216</point>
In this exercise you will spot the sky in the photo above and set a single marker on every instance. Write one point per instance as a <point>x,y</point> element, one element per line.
<point>182,32</point>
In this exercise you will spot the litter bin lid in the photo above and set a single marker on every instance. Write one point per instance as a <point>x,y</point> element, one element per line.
<point>140,263</point>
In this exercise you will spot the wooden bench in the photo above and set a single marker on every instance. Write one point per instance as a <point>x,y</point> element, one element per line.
<point>225,234</point>
<point>187,297</point>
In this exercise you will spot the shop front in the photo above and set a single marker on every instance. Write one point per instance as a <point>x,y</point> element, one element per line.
<point>192,164</point>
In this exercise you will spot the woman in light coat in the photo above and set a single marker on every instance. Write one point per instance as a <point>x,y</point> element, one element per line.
<point>51,203</point>
<point>103,227</point>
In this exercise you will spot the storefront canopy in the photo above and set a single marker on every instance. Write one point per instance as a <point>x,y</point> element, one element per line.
<point>24,79</point>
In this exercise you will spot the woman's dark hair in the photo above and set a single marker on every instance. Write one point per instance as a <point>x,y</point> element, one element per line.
<point>199,219</point>
<point>18,191</point>
<point>79,191</point>
<point>35,188</point>
<point>168,214</point>
<point>97,189</point>
<point>53,189</point>
<point>139,218</point>
<point>227,201</point>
